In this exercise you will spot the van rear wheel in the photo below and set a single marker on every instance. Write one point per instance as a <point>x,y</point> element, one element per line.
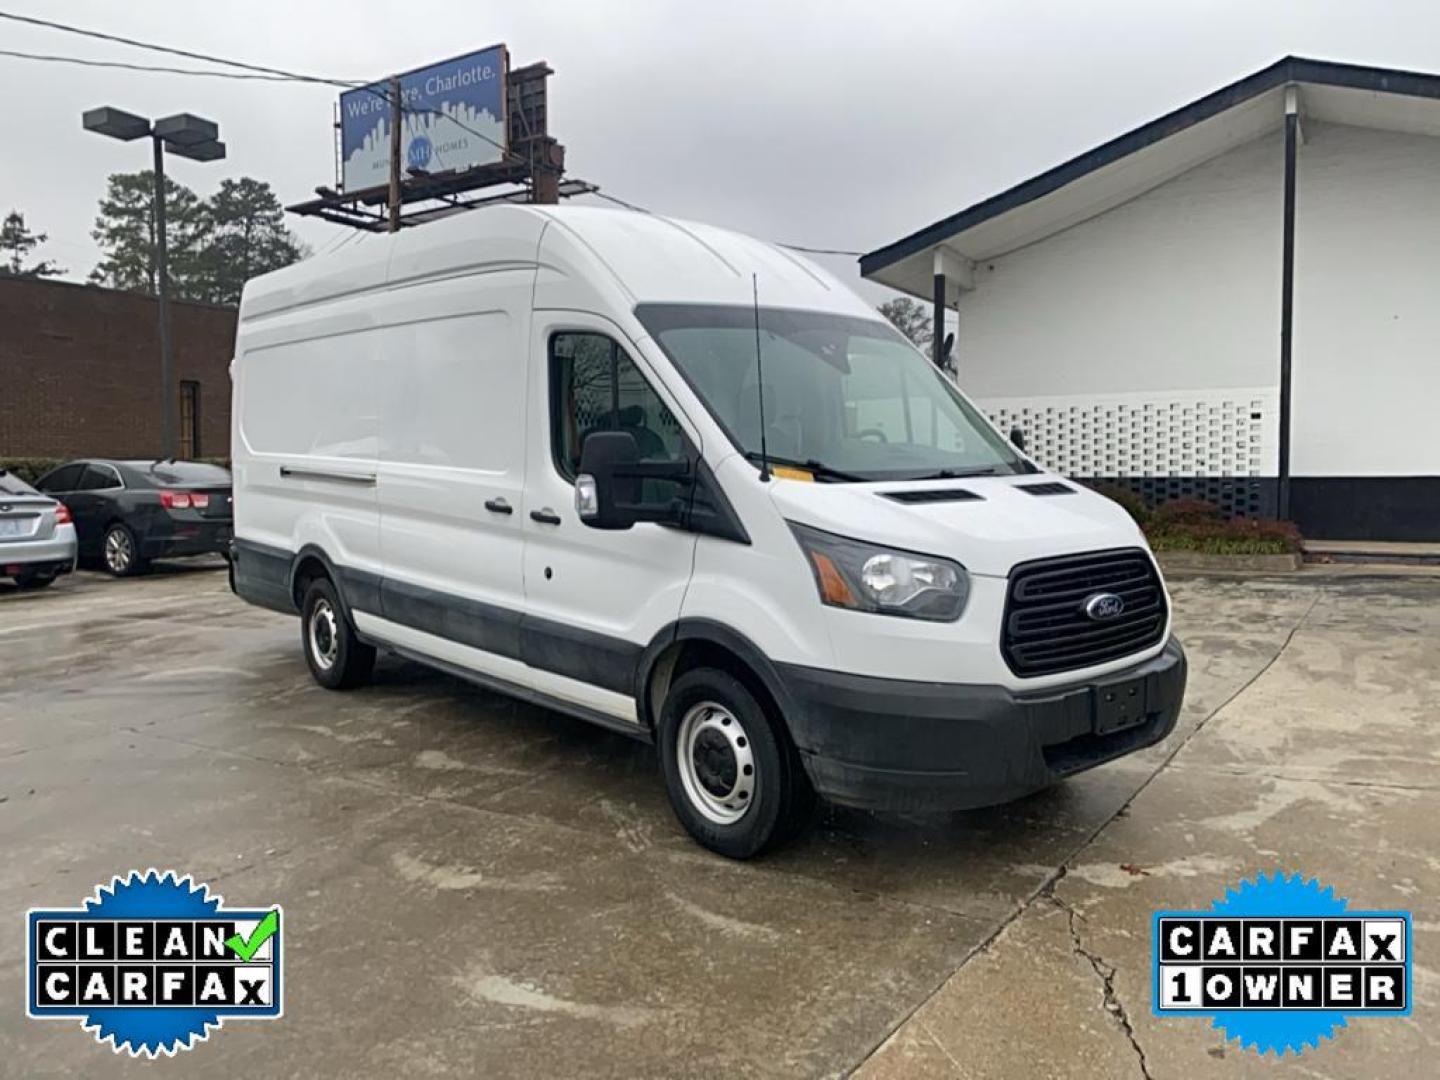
<point>734,779</point>
<point>338,659</point>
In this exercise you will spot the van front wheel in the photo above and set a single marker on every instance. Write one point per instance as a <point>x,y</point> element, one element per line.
<point>734,779</point>
<point>337,658</point>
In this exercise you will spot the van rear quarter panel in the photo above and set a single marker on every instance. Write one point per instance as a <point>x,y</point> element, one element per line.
<point>306,396</point>
<point>320,350</point>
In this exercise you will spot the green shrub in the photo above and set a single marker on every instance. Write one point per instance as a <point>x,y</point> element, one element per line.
<point>1239,536</point>
<point>1186,512</point>
<point>1130,500</point>
<point>29,469</point>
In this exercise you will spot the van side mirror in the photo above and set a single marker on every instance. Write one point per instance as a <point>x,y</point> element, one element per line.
<point>1017,437</point>
<point>610,488</point>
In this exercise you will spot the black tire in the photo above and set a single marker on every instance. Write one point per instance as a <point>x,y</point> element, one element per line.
<point>725,729</point>
<point>120,552</point>
<point>338,659</point>
<point>32,580</point>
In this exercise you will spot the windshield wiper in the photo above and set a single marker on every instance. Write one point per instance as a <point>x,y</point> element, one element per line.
<point>819,468</point>
<point>955,474</point>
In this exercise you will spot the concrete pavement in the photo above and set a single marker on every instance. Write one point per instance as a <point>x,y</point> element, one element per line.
<point>1326,762</point>
<point>476,886</point>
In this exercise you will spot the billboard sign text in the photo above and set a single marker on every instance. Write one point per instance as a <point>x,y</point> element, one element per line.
<point>453,117</point>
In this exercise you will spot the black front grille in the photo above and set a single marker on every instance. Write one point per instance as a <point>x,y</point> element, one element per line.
<point>1046,626</point>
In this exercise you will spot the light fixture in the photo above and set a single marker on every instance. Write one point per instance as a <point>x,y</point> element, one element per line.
<point>117,123</point>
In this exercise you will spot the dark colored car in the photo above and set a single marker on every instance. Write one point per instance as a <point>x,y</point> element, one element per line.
<point>130,512</point>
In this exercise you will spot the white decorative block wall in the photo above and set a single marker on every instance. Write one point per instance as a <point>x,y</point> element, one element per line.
<point>1189,433</point>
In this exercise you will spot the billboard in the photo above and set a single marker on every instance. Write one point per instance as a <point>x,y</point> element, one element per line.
<point>453,117</point>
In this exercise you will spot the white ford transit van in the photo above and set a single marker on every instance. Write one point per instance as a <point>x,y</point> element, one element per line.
<point>525,445</point>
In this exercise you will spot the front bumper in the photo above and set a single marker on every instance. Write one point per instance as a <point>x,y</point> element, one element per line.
<point>893,744</point>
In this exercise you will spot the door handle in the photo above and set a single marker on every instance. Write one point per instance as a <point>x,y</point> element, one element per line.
<point>499,506</point>
<point>363,479</point>
<point>545,516</point>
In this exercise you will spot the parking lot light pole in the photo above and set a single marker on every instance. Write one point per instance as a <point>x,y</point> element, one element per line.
<point>189,136</point>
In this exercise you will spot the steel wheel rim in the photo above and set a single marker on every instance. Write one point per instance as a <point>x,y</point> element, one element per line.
<point>324,635</point>
<point>717,763</point>
<point>118,551</point>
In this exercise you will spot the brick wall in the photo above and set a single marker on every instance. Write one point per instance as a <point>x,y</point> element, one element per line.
<point>80,370</point>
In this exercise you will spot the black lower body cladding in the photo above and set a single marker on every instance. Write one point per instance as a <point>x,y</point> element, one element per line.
<point>261,574</point>
<point>892,744</point>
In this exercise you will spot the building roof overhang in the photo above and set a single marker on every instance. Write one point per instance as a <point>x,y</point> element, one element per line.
<point>1142,159</point>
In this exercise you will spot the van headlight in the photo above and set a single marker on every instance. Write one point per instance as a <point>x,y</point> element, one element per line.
<point>866,577</point>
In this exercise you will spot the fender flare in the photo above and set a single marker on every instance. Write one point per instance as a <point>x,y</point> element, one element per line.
<point>716,633</point>
<point>317,552</point>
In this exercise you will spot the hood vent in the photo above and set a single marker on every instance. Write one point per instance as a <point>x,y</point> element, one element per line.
<point>933,495</point>
<point>1050,487</point>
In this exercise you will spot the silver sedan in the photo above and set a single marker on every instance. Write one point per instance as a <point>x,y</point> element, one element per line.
<point>37,536</point>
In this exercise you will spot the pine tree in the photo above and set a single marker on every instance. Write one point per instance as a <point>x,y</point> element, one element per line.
<point>125,231</point>
<point>214,245</point>
<point>247,236</point>
<point>16,244</point>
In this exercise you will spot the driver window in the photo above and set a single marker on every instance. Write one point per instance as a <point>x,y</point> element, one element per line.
<point>595,386</point>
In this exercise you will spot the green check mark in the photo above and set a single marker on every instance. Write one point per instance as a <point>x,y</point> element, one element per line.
<point>244,948</point>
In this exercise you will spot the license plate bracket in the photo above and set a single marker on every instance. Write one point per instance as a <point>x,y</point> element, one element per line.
<point>1120,705</point>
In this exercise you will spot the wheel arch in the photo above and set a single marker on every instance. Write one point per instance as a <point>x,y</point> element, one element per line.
<point>690,643</point>
<point>311,562</point>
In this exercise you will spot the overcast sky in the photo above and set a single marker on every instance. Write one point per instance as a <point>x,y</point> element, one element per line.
<point>832,123</point>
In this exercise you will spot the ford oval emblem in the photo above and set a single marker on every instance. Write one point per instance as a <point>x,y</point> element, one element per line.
<point>1103,605</point>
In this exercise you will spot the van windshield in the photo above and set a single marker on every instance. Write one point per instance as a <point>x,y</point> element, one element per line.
<point>849,396</point>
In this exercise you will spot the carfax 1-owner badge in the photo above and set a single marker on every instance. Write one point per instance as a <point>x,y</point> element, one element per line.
<point>1280,963</point>
<point>152,962</point>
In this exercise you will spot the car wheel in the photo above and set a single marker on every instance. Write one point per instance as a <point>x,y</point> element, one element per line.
<point>33,579</point>
<point>733,776</point>
<point>337,658</point>
<point>120,552</point>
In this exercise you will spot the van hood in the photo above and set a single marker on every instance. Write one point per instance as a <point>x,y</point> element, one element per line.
<point>1002,526</point>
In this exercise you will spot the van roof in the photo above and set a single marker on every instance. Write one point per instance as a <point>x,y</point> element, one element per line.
<point>653,259</point>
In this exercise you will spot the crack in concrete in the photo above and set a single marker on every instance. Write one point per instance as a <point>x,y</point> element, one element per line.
<point>1047,886</point>
<point>1105,972</point>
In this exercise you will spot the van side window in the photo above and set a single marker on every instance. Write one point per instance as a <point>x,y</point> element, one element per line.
<point>595,386</point>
